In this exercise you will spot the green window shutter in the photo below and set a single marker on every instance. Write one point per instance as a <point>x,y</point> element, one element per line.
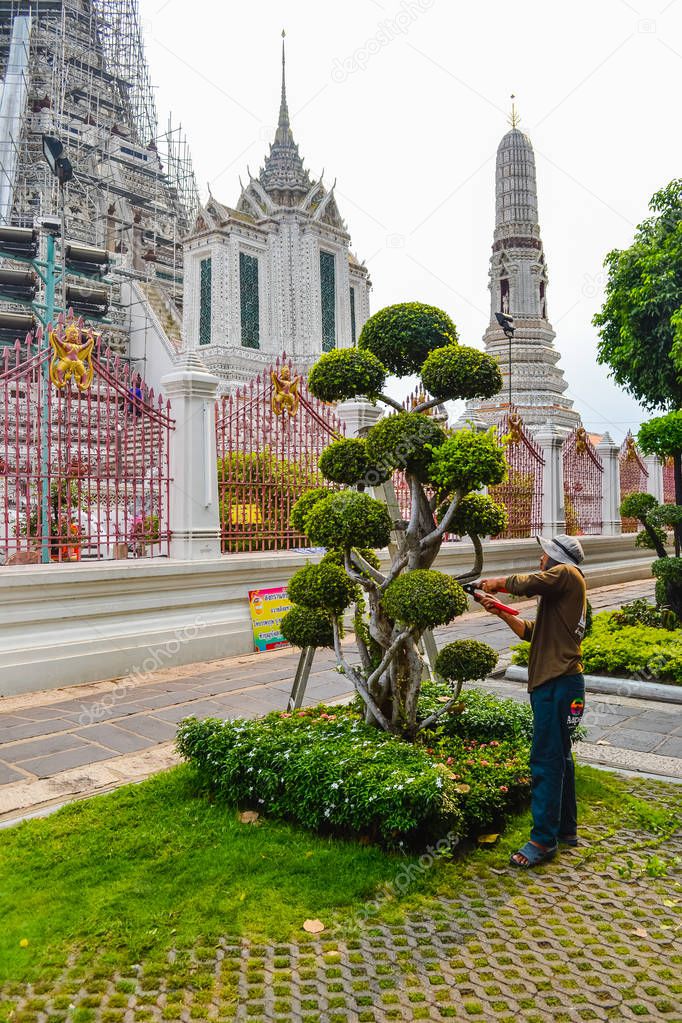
<point>248,300</point>
<point>205,301</point>
<point>353,336</point>
<point>328,300</point>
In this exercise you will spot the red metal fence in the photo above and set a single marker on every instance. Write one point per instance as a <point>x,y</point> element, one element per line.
<point>83,473</point>
<point>521,493</point>
<point>583,483</point>
<point>270,435</point>
<point>634,476</point>
<point>668,482</point>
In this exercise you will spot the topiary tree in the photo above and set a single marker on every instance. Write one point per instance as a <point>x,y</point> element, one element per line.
<point>656,518</point>
<point>393,608</point>
<point>662,436</point>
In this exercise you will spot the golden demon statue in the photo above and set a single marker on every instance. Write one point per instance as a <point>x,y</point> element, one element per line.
<point>285,396</point>
<point>72,356</point>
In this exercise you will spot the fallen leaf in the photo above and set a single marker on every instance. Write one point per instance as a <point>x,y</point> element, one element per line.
<point>496,871</point>
<point>487,839</point>
<point>463,788</point>
<point>641,932</point>
<point>443,699</point>
<point>313,926</point>
<point>602,742</point>
<point>249,816</point>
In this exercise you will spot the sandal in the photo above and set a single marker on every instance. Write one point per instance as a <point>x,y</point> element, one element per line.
<point>533,856</point>
<point>571,840</point>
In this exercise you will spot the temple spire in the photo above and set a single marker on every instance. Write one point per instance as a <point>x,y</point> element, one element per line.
<point>283,125</point>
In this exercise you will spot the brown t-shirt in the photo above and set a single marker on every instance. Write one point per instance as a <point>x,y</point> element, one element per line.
<point>557,632</point>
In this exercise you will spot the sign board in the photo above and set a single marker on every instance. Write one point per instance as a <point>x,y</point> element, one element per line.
<point>268,607</point>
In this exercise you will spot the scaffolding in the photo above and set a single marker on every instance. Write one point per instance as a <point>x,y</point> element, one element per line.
<point>86,81</point>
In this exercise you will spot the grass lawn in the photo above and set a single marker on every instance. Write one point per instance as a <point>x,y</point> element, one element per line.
<point>122,878</point>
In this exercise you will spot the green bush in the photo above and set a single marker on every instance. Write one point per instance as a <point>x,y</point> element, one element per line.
<point>401,336</point>
<point>325,587</point>
<point>644,540</point>
<point>637,506</point>
<point>303,506</point>
<point>346,461</point>
<point>348,519</point>
<point>458,372</point>
<point>327,771</point>
<point>465,660</point>
<point>346,373</point>
<point>468,461</point>
<point>623,650</point>
<point>668,570</point>
<point>478,715</point>
<point>304,626</point>
<point>479,514</point>
<point>424,598</point>
<point>404,441</point>
<point>641,612</point>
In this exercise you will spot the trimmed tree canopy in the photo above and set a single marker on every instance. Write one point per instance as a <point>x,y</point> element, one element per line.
<point>325,586</point>
<point>465,660</point>
<point>424,598</point>
<point>401,336</point>
<point>480,515</point>
<point>459,372</point>
<point>404,441</point>
<point>346,373</point>
<point>303,626</point>
<point>346,461</point>
<point>300,509</point>
<point>348,519</point>
<point>468,461</point>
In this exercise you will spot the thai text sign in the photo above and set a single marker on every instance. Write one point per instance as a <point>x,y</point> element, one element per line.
<point>268,607</point>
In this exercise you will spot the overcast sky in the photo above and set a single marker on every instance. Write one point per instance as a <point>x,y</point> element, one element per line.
<point>404,104</point>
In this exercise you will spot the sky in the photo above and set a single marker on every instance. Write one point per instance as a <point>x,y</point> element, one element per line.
<point>404,102</point>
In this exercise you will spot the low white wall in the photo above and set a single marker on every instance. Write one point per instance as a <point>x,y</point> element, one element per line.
<point>67,624</point>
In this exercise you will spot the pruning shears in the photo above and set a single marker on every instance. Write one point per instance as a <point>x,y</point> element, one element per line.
<point>474,591</point>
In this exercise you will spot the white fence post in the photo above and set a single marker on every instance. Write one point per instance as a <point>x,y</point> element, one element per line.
<point>551,442</point>
<point>194,500</point>
<point>608,451</point>
<point>358,415</point>
<point>655,481</point>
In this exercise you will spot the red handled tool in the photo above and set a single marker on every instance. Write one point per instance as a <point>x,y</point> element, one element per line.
<point>477,593</point>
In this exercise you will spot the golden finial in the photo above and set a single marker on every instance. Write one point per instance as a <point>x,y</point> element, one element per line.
<point>514,118</point>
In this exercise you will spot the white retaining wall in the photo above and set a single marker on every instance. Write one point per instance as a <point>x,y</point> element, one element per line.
<point>67,624</point>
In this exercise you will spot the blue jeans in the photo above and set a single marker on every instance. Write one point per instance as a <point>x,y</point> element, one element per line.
<point>558,707</point>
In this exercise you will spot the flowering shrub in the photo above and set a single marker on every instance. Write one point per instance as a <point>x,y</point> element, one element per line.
<point>324,769</point>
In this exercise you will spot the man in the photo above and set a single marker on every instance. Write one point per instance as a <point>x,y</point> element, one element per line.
<point>556,687</point>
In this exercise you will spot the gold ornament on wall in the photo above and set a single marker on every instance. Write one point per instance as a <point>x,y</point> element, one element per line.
<point>72,346</point>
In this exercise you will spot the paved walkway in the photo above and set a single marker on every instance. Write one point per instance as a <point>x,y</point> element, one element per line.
<point>62,744</point>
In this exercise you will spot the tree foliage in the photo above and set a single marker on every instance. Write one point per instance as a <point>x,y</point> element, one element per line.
<point>401,336</point>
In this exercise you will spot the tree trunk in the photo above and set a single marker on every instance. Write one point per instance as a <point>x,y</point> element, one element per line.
<point>677,464</point>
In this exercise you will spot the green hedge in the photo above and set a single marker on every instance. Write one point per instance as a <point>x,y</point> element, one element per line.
<point>652,652</point>
<point>324,769</point>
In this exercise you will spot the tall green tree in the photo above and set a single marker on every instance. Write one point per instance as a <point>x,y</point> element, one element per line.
<point>640,324</point>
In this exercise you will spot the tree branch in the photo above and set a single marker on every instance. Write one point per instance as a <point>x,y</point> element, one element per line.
<point>391,401</point>
<point>431,403</point>
<point>415,497</point>
<point>438,532</point>
<point>378,576</point>
<point>389,655</point>
<point>432,718</point>
<point>359,685</point>
<point>475,572</point>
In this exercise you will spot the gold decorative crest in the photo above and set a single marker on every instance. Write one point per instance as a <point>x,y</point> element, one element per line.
<point>515,428</point>
<point>581,440</point>
<point>285,396</point>
<point>72,346</point>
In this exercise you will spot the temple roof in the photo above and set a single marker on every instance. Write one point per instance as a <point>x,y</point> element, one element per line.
<point>283,171</point>
<point>516,195</point>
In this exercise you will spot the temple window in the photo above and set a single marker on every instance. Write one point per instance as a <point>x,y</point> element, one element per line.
<point>328,300</point>
<point>353,337</point>
<point>248,300</point>
<point>504,295</point>
<point>205,301</point>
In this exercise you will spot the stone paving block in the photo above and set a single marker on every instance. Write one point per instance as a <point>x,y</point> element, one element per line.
<point>198,708</point>
<point>46,713</point>
<point>34,728</point>
<point>8,774</point>
<point>114,737</point>
<point>45,767</point>
<point>658,721</point>
<point>635,739</point>
<point>671,747</point>
<point>55,743</point>
<point>150,727</point>
<point>10,720</point>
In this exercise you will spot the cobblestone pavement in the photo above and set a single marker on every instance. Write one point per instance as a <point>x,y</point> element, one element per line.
<point>59,744</point>
<point>594,936</point>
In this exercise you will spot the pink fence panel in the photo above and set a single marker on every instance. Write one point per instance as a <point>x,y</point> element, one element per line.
<point>634,477</point>
<point>521,493</point>
<point>583,484</point>
<point>668,482</point>
<point>270,434</point>
<point>83,473</point>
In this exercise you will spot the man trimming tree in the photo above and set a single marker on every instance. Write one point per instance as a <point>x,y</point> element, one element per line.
<point>556,687</point>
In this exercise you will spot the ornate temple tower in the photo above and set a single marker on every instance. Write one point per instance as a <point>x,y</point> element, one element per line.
<point>273,274</point>
<point>518,287</point>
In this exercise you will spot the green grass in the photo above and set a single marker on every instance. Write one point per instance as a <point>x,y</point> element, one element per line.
<point>121,878</point>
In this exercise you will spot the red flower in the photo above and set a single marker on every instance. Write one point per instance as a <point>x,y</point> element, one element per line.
<point>504,788</point>
<point>450,760</point>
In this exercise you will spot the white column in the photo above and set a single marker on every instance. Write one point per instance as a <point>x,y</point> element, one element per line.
<point>655,481</point>
<point>194,502</point>
<point>610,515</point>
<point>551,442</point>
<point>359,415</point>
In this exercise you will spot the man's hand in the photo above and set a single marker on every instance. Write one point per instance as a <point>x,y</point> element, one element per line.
<point>489,585</point>
<point>488,604</point>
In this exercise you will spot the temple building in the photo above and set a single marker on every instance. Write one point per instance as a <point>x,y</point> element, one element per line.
<point>273,274</point>
<point>518,288</point>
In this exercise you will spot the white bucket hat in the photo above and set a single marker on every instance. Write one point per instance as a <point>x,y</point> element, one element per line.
<point>564,549</point>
